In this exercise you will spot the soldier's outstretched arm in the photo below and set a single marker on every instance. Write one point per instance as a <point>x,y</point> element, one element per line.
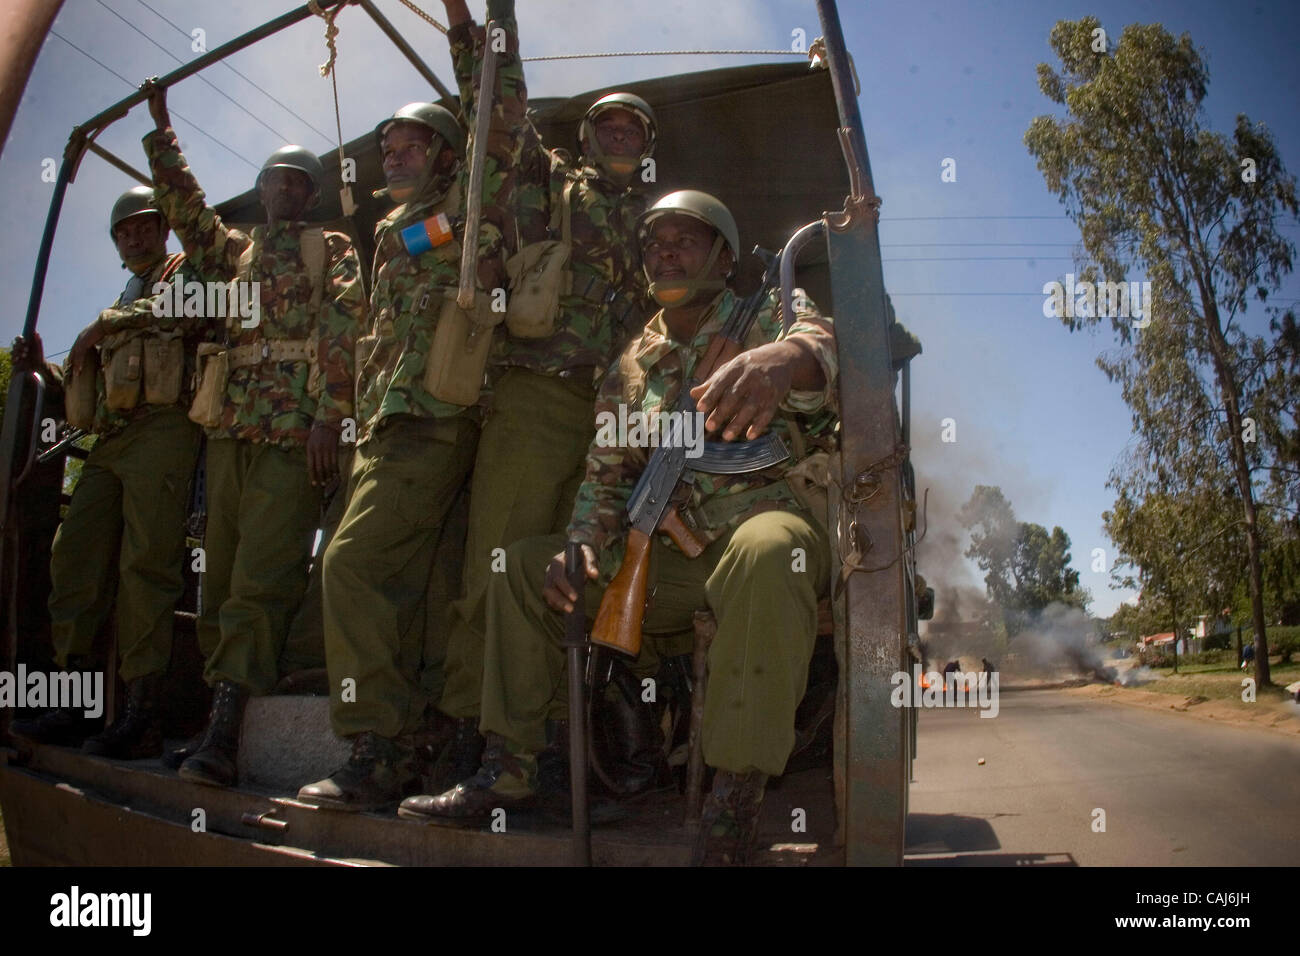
<point>213,248</point>
<point>343,319</point>
<point>506,134</point>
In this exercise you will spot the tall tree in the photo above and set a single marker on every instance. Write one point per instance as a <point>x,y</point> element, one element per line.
<point>1196,211</point>
<point>1025,568</point>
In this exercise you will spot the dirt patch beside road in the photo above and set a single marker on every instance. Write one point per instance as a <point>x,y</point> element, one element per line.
<point>1266,713</point>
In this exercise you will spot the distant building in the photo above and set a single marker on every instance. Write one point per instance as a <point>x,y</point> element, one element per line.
<point>1187,645</point>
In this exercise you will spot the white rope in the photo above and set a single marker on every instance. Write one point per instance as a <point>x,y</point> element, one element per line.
<point>327,69</point>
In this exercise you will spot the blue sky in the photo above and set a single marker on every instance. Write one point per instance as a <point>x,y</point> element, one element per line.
<point>1034,414</point>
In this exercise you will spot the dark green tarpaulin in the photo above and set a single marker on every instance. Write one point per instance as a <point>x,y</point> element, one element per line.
<point>761,138</point>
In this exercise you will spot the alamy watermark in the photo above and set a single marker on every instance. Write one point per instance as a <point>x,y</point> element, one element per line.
<point>62,690</point>
<point>1103,300</point>
<point>215,300</point>
<point>78,909</point>
<point>638,429</point>
<point>946,690</point>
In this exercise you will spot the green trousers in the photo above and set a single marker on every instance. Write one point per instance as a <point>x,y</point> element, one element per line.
<point>304,649</point>
<point>262,517</point>
<point>762,582</point>
<point>125,531</point>
<point>378,567</point>
<point>531,460</point>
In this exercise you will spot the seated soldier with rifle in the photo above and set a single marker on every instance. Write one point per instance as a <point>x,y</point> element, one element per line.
<point>128,383</point>
<point>761,552</point>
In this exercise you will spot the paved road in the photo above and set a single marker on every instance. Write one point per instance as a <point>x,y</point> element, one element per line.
<point>1175,790</point>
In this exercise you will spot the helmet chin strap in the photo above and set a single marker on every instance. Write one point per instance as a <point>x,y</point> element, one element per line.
<point>675,292</point>
<point>143,263</point>
<point>618,168</point>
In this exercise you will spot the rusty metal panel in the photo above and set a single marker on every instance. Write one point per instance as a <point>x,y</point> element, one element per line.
<point>871,608</point>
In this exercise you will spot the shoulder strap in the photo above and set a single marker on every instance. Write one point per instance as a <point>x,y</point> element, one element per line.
<point>633,377</point>
<point>171,267</point>
<point>562,212</point>
<point>312,244</point>
<point>245,272</point>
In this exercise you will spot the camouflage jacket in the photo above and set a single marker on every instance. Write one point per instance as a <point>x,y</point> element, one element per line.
<point>614,464</point>
<point>134,315</point>
<point>270,401</point>
<point>592,327</point>
<point>409,291</point>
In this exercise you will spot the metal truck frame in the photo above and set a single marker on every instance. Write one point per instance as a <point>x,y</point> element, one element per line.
<point>61,806</point>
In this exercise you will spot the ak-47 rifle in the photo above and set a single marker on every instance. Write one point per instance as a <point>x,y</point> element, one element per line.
<point>66,438</point>
<point>650,507</point>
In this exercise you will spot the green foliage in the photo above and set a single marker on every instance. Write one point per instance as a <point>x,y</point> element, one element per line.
<point>1218,642</point>
<point>1284,640</point>
<point>1026,568</point>
<point>1198,212</point>
<point>6,373</point>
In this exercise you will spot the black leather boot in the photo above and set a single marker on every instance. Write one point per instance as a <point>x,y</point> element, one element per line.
<point>729,821</point>
<point>504,781</point>
<point>216,762</point>
<point>65,727</point>
<point>173,759</point>
<point>136,734</point>
<point>460,758</point>
<point>379,772</point>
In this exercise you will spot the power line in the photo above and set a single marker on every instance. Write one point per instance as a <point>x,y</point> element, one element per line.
<point>200,76</point>
<point>133,86</point>
<point>284,106</point>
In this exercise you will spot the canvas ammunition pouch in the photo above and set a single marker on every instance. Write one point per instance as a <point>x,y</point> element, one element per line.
<point>458,356</point>
<point>212,372</point>
<point>143,368</point>
<point>81,393</point>
<point>164,367</point>
<point>123,358</point>
<point>539,274</point>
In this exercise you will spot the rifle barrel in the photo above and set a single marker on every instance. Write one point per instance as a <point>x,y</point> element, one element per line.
<point>575,641</point>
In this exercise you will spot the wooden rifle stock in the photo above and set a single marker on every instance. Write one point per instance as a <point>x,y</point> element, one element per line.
<point>618,622</point>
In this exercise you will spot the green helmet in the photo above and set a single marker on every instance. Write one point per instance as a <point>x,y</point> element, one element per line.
<point>622,169</point>
<point>295,157</point>
<point>698,205</point>
<point>133,202</point>
<point>708,210</point>
<point>431,116</point>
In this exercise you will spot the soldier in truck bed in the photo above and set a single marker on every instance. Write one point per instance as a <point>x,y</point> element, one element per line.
<point>419,411</point>
<point>125,527</point>
<point>274,424</point>
<point>753,524</point>
<point>532,453</point>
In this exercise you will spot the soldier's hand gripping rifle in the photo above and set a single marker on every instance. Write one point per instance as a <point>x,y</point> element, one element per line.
<point>651,508</point>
